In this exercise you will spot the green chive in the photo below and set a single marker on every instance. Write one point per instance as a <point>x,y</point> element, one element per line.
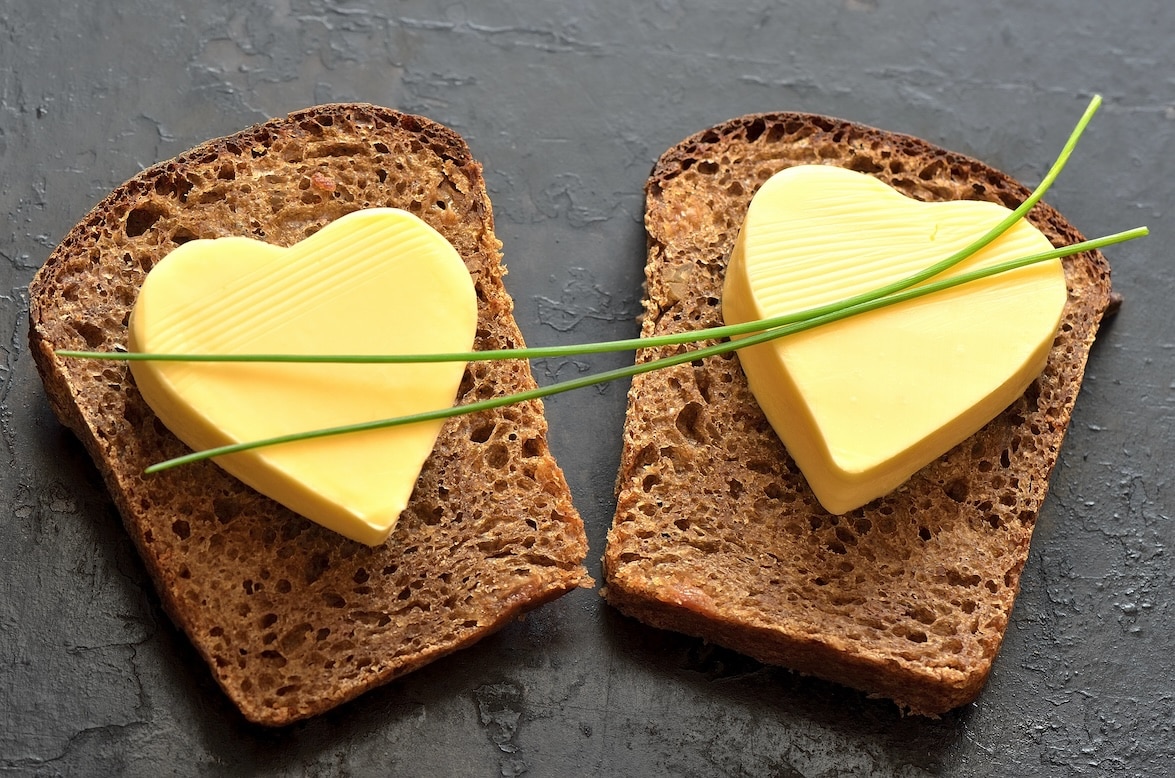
<point>839,313</point>
<point>748,334</point>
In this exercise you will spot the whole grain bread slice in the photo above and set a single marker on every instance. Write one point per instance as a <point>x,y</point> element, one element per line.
<point>294,619</point>
<point>716,533</point>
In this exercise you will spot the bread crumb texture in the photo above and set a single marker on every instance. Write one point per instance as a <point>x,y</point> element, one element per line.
<point>716,533</point>
<point>292,618</point>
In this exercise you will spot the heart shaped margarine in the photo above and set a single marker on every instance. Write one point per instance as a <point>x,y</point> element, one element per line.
<point>863,403</point>
<point>378,281</point>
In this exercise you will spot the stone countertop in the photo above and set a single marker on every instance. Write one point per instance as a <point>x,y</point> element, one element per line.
<point>568,110</point>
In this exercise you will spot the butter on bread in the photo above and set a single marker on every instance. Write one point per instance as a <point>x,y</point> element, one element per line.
<point>291,618</point>
<point>717,534</point>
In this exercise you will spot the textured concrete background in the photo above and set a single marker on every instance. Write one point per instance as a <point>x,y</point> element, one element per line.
<point>567,110</point>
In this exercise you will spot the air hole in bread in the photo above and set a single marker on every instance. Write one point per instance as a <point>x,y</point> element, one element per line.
<point>317,565</point>
<point>225,509</point>
<point>141,219</point>
<point>214,195</point>
<point>275,657</point>
<point>755,129</point>
<point>775,133</point>
<point>467,382</point>
<point>864,164</point>
<point>182,236</point>
<point>431,516</point>
<point>924,533</point>
<point>338,149</point>
<point>922,614</point>
<point>482,433</point>
<point>91,333</point>
<point>134,414</point>
<point>173,185</point>
<point>956,578</point>
<point>689,423</point>
<point>916,636</point>
<point>931,170</point>
<point>181,528</point>
<point>334,600</point>
<point>498,456</point>
<point>372,618</point>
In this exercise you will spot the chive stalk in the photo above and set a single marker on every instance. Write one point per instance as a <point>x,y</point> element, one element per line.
<point>841,312</point>
<point>747,334</point>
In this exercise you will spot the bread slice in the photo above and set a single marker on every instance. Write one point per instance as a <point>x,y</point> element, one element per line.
<point>294,619</point>
<point>716,533</point>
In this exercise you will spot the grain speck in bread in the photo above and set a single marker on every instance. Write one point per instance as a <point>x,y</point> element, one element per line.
<point>294,619</point>
<point>716,533</point>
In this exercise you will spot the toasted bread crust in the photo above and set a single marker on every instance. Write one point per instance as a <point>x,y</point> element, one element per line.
<point>716,533</point>
<point>292,618</point>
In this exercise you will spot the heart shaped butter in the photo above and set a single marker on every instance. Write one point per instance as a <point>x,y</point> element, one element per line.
<point>864,403</point>
<point>378,281</point>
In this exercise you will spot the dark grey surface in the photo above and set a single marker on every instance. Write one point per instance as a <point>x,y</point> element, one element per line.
<point>567,109</point>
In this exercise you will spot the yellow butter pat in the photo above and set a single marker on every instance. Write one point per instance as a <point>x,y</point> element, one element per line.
<point>378,281</point>
<point>864,403</point>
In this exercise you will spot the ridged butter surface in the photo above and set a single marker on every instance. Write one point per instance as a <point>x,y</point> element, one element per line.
<point>863,403</point>
<point>378,281</point>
